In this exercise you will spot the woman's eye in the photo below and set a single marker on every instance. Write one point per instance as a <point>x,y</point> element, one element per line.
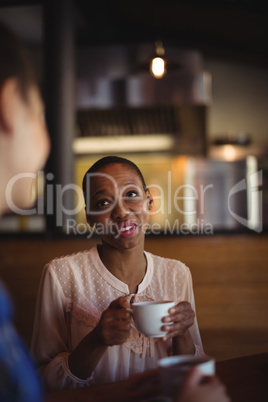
<point>102,203</point>
<point>132,194</point>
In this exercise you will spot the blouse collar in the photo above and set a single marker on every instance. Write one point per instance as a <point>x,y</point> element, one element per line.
<point>117,283</point>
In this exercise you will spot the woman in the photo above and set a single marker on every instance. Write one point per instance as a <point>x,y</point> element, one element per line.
<point>82,331</point>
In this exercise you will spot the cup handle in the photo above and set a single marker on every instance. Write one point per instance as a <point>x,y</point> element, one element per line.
<point>132,325</point>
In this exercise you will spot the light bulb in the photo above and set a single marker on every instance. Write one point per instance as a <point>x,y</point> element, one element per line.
<point>229,152</point>
<point>158,67</point>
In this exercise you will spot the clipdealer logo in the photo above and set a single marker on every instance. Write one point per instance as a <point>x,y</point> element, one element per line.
<point>254,199</point>
<point>53,202</point>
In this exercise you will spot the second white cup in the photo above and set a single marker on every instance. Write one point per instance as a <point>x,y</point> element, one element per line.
<point>173,370</point>
<point>148,317</point>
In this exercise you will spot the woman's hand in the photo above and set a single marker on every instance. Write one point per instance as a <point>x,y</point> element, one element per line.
<point>112,329</point>
<point>182,316</point>
<point>197,388</point>
<point>114,325</point>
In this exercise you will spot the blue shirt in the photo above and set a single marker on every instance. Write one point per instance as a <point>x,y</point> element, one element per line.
<point>19,381</point>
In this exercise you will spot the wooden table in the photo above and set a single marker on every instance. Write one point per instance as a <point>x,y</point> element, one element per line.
<point>246,378</point>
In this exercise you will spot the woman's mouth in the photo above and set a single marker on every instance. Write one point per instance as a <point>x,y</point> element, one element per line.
<point>126,229</point>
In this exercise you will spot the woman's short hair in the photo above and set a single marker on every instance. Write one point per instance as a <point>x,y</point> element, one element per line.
<point>15,61</point>
<point>109,160</point>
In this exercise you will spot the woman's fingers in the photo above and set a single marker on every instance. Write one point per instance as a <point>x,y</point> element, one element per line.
<point>121,302</point>
<point>182,317</point>
<point>114,324</point>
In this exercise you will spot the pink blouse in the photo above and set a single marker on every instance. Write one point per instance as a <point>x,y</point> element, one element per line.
<point>73,293</point>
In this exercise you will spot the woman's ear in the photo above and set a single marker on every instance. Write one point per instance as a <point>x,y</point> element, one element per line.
<point>10,99</point>
<point>150,199</point>
<point>89,219</point>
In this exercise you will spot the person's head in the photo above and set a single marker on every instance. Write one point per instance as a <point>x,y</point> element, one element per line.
<point>24,143</point>
<point>117,201</point>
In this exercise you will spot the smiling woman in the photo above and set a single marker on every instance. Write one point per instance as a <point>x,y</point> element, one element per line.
<point>117,202</point>
<point>83,332</point>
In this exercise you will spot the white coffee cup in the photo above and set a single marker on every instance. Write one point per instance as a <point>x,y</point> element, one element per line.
<point>148,316</point>
<point>173,369</point>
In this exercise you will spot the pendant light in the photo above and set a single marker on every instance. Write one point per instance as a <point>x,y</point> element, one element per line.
<point>158,62</point>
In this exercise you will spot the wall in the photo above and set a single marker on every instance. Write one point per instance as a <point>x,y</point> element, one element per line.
<point>230,276</point>
<point>239,100</point>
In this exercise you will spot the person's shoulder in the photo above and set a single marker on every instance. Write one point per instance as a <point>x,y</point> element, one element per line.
<point>76,260</point>
<point>162,263</point>
<point>6,306</point>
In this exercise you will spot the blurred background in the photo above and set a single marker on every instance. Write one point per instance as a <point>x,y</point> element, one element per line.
<point>199,132</point>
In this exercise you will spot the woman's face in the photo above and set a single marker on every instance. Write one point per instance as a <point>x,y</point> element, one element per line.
<point>118,206</point>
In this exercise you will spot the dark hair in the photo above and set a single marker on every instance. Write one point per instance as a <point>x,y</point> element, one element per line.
<point>109,160</point>
<point>15,61</point>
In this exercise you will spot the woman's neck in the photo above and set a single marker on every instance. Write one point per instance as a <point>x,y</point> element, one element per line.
<point>128,265</point>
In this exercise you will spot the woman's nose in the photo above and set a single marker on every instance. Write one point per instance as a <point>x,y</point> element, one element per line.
<point>120,210</point>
